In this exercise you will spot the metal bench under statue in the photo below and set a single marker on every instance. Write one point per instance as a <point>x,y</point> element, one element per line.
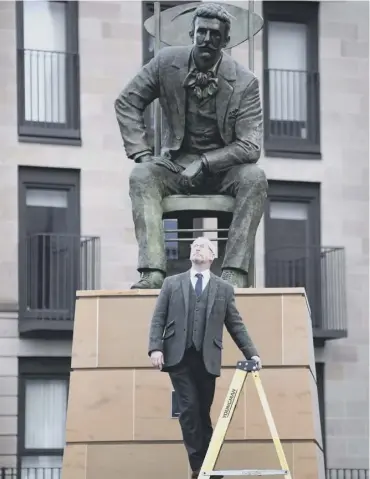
<point>189,210</point>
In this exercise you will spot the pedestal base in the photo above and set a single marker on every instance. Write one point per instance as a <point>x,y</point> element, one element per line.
<point>119,420</point>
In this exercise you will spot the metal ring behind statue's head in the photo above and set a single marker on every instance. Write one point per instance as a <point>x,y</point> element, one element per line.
<point>175,24</point>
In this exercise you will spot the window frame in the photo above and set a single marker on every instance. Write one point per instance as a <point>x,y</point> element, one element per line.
<point>48,368</point>
<point>44,132</point>
<point>308,14</point>
<point>300,192</point>
<point>306,192</point>
<point>50,178</point>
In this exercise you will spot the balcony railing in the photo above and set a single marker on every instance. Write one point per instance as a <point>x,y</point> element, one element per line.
<point>48,94</point>
<point>55,473</point>
<point>31,473</point>
<point>54,267</point>
<point>347,474</point>
<point>292,112</point>
<point>321,271</point>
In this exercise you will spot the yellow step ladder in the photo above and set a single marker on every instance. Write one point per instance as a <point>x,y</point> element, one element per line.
<point>219,433</point>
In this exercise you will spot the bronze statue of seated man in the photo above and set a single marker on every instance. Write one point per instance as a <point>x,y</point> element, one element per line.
<point>212,107</point>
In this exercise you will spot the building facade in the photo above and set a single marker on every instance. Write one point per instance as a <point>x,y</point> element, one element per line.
<point>65,212</point>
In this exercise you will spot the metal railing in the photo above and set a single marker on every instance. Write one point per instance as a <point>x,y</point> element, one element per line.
<point>56,473</point>
<point>49,90</point>
<point>55,267</point>
<point>347,474</point>
<point>31,473</point>
<point>321,271</point>
<point>292,110</point>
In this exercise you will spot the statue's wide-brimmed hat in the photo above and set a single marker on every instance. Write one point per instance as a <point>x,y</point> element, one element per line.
<point>175,24</point>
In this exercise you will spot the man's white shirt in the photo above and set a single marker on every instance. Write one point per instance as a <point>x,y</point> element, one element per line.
<point>206,275</point>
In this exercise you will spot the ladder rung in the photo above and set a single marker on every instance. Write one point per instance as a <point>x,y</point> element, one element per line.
<point>247,472</point>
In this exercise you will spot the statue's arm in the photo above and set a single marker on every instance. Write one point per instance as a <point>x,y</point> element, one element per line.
<point>159,318</point>
<point>246,148</point>
<point>131,104</point>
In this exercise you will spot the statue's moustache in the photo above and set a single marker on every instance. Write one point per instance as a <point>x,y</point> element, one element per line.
<point>207,47</point>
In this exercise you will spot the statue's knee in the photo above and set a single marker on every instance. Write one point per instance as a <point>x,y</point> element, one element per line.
<point>140,175</point>
<point>253,174</point>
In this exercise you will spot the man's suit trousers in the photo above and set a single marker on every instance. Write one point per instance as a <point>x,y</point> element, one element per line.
<point>195,389</point>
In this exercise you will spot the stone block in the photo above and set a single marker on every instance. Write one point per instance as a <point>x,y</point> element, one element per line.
<point>8,328</point>
<point>8,445</point>
<point>8,366</point>
<point>8,404</point>
<point>355,49</point>
<point>8,425</point>
<point>8,385</point>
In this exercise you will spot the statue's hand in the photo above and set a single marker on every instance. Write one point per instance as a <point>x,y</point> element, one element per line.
<point>193,174</point>
<point>166,163</point>
<point>160,161</point>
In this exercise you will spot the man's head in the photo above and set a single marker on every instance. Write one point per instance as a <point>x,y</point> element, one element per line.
<point>202,252</point>
<point>210,32</point>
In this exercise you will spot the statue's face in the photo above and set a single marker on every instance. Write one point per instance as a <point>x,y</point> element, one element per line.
<point>209,38</point>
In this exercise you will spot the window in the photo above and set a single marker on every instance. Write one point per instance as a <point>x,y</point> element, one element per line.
<point>171,238</point>
<point>43,393</point>
<point>292,240</point>
<point>50,246</point>
<point>291,79</point>
<point>48,71</point>
<point>295,257</point>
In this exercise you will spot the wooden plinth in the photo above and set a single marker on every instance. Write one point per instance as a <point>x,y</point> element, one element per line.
<point>119,420</point>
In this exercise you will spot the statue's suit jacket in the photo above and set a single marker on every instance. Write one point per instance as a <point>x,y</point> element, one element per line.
<point>239,112</point>
<point>170,321</point>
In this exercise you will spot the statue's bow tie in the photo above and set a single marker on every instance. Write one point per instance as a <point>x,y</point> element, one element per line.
<point>203,84</point>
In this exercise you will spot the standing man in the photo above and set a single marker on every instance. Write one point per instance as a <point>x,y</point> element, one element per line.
<point>186,341</point>
<point>212,107</point>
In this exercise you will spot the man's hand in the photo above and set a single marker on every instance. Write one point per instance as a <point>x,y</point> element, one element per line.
<point>193,174</point>
<point>157,359</point>
<point>258,361</point>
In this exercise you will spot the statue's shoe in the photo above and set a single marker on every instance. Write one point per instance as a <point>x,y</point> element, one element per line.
<point>150,280</point>
<point>237,278</point>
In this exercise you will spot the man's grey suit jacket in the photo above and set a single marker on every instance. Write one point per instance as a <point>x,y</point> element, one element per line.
<point>169,323</point>
<point>238,105</point>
